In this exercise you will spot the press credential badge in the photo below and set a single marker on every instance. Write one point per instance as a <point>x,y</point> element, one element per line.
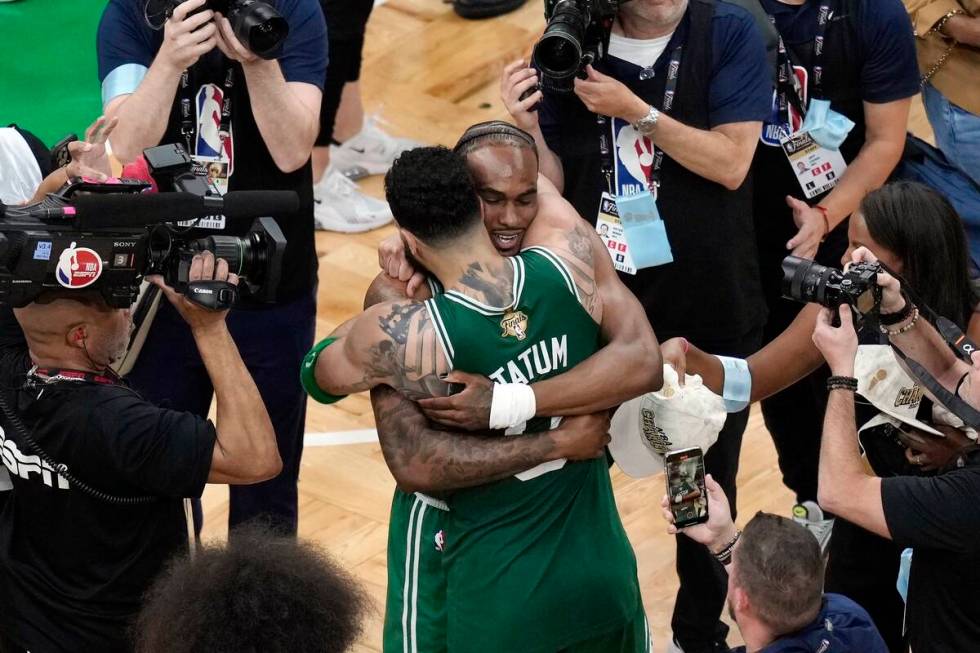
<point>817,169</point>
<point>610,230</point>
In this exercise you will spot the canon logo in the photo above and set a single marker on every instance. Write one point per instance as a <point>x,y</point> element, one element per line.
<point>202,291</point>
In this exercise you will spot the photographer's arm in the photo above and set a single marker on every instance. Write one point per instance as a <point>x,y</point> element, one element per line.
<point>845,486</point>
<point>287,113</point>
<point>246,450</point>
<point>784,361</point>
<point>144,112</point>
<point>517,78</point>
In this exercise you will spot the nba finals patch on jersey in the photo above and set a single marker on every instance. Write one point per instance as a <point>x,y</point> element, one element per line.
<point>514,325</point>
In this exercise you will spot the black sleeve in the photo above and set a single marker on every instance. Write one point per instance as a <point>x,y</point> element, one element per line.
<point>159,452</point>
<point>940,512</point>
<point>41,152</point>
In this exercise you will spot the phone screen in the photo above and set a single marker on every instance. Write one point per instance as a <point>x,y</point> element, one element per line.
<point>685,487</point>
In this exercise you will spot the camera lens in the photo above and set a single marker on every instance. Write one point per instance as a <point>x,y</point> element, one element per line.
<point>246,256</point>
<point>259,26</point>
<point>809,282</point>
<point>559,52</point>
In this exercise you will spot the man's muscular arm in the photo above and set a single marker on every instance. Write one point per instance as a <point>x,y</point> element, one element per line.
<point>424,459</point>
<point>630,363</point>
<point>627,366</point>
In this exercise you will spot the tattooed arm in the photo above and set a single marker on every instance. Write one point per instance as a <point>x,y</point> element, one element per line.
<point>630,363</point>
<point>424,459</point>
<point>391,343</point>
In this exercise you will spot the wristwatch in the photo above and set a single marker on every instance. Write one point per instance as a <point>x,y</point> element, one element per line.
<point>648,123</point>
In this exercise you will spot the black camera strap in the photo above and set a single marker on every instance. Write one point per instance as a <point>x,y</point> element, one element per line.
<point>606,158</point>
<point>789,87</point>
<point>212,294</point>
<point>188,114</point>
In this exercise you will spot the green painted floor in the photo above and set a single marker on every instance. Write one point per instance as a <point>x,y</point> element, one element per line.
<point>49,80</point>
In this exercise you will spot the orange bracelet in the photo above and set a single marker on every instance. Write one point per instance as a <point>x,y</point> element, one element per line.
<point>826,218</point>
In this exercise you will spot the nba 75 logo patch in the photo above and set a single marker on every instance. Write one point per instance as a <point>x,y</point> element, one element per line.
<point>514,325</point>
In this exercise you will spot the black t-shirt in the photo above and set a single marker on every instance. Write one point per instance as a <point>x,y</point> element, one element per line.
<point>127,47</point>
<point>73,568</point>
<point>346,19</point>
<point>939,517</point>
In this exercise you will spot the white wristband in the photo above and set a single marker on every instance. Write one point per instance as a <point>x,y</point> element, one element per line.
<point>512,404</point>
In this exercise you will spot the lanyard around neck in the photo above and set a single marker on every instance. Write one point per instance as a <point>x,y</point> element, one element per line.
<point>188,123</point>
<point>605,138</point>
<point>790,89</point>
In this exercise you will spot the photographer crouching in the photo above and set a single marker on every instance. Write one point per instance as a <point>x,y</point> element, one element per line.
<point>100,474</point>
<point>938,516</point>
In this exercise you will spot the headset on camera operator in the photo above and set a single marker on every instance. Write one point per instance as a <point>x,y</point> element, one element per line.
<point>99,473</point>
<point>937,516</point>
<point>238,85</point>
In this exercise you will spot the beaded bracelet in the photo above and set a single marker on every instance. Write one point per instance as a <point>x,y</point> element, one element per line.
<point>891,319</point>
<point>908,327</point>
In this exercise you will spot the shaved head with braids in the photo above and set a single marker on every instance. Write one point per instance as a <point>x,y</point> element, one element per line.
<point>494,132</point>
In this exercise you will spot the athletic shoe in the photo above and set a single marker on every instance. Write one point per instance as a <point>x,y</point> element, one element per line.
<point>341,206</point>
<point>809,515</point>
<point>485,8</point>
<point>370,152</point>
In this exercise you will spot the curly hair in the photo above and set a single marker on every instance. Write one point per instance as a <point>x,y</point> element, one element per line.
<point>261,593</point>
<point>494,132</point>
<point>431,194</point>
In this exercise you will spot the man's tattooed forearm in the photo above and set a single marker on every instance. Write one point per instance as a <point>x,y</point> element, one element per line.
<point>440,461</point>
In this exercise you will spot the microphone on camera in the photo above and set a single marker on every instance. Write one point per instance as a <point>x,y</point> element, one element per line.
<point>144,209</point>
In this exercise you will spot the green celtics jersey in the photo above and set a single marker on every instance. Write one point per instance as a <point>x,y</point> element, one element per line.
<point>538,561</point>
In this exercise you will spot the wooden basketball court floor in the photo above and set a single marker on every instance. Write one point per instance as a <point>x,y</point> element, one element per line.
<point>429,74</point>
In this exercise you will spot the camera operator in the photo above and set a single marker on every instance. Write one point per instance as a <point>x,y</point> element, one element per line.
<point>937,516</point>
<point>196,64</point>
<point>705,130</point>
<point>775,584</point>
<point>99,473</point>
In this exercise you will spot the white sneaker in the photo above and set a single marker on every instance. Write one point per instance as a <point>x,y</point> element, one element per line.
<point>370,152</point>
<point>809,515</point>
<point>339,205</point>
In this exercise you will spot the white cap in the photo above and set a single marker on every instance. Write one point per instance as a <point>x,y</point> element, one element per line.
<point>885,383</point>
<point>645,429</point>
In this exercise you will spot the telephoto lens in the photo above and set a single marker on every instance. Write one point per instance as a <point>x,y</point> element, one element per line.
<point>807,281</point>
<point>258,25</point>
<point>558,54</point>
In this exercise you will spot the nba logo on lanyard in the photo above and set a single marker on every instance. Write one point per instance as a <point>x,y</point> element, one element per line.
<point>78,267</point>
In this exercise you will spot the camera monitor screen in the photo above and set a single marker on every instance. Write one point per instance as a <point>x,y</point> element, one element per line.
<point>685,487</point>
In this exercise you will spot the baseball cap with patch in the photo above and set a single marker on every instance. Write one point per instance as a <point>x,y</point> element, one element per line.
<point>883,382</point>
<point>645,429</point>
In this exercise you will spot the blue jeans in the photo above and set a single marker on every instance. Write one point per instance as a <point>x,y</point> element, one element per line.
<point>957,131</point>
<point>272,342</point>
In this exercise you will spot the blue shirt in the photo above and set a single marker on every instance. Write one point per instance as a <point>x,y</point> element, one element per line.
<point>842,626</point>
<point>889,69</point>
<point>127,45</point>
<point>740,91</point>
<point>741,83</point>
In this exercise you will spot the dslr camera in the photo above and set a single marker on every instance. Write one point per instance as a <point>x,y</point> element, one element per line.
<point>257,24</point>
<point>105,237</point>
<point>577,35</point>
<point>809,282</point>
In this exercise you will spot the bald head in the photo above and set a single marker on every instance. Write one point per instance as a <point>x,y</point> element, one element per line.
<point>75,334</point>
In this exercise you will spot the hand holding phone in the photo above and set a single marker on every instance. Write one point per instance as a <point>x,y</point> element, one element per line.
<point>686,491</point>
